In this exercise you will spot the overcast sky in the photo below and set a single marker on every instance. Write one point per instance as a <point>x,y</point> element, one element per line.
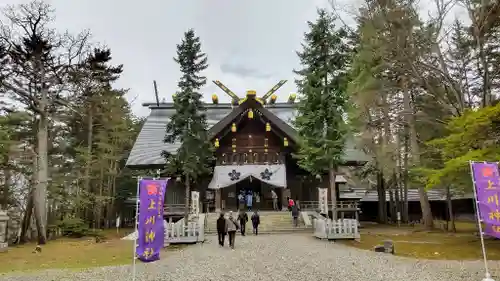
<point>250,44</point>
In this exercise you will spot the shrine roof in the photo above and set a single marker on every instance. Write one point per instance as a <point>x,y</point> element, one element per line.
<point>148,147</point>
<point>149,143</point>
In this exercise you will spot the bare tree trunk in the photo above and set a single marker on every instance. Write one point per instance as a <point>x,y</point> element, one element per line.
<point>40,194</point>
<point>450,210</point>
<point>88,158</point>
<point>415,151</point>
<point>26,223</point>
<point>392,207</point>
<point>382,203</point>
<point>188,194</point>
<point>333,191</point>
<point>6,186</point>
<point>99,203</point>
<point>406,215</point>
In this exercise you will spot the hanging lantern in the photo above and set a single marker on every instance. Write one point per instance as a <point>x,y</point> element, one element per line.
<point>273,99</point>
<point>291,98</point>
<point>234,144</point>
<point>250,114</point>
<point>266,141</point>
<point>268,127</point>
<point>233,128</point>
<point>216,143</point>
<point>285,142</point>
<point>215,99</point>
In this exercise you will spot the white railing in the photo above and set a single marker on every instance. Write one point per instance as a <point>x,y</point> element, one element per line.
<point>179,232</point>
<point>341,205</point>
<point>339,229</point>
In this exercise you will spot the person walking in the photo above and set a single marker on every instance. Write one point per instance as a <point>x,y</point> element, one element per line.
<point>242,218</point>
<point>295,215</point>
<point>275,200</point>
<point>232,227</point>
<point>257,200</point>
<point>241,200</point>
<point>221,229</point>
<point>249,201</point>
<point>255,222</point>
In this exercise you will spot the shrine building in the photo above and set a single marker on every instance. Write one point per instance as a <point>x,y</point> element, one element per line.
<point>254,140</point>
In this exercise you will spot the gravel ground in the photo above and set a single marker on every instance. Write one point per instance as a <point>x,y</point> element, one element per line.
<point>277,257</point>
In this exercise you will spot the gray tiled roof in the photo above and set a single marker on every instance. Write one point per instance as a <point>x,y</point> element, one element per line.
<point>149,143</point>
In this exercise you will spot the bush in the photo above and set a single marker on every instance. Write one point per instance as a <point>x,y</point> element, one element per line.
<point>73,227</point>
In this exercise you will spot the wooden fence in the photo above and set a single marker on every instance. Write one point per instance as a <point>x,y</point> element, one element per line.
<point>339,229</point>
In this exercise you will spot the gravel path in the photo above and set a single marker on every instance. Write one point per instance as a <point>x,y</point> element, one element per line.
<point>277,257</point>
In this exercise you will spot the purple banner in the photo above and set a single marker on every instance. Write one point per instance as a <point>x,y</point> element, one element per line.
<point>151,230</point>
<point>487,185</point>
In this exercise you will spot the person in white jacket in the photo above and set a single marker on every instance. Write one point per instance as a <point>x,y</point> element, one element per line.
<point>232,227</point>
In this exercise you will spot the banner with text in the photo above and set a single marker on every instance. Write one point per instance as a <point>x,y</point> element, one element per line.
<point>487,185</point>
<point>151,229</point>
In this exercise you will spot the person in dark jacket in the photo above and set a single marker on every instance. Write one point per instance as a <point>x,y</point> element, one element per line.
<point>255,222</point>
<point>221,229</point>
<point>242,218</point>
<point>295,215</point>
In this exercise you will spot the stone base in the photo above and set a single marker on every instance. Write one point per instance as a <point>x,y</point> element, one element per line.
<point>4,247</point>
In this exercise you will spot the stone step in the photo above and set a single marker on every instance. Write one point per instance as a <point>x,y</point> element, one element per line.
<point>299,229</point>
<point>269,222</point>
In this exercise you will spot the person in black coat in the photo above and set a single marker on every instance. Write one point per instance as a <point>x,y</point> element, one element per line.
<point>255,222</point>
<point>295,215</point>
<point>242,218</point>
<point>221,229</point>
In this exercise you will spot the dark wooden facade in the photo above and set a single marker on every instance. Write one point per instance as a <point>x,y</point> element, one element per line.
<point>250,144</point>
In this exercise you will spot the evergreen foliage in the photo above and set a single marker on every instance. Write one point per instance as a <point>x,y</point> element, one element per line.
<point>188,125</point>
<point>322,103</point>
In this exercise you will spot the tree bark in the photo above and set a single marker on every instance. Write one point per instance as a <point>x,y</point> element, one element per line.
<point>333,192</point>
<point>6,185</point>
<point>450,210</point>
<point>40,194</point>
<point>186,207</point>
<point>26,223</point>
<point>415,152</point>
<point>88,158</point>
<point>382,203</point>
<point>406,216</point>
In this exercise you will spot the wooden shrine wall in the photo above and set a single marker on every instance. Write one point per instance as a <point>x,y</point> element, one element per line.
<point>250,144</point>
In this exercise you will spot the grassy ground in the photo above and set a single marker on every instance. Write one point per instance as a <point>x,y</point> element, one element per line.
<point>69,253</point>
<point>414,242</point>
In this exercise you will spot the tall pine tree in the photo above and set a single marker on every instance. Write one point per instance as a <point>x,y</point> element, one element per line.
<point>322,105</point>
<point>189,123</point>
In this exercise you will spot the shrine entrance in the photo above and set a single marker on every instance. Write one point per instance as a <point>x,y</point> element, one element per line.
<point>261,195</point>
<point>257,180</point>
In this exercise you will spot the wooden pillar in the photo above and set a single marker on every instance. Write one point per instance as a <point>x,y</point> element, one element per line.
<point>218,200</point>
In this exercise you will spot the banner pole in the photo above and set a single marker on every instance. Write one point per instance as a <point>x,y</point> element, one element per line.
<point>479,225</point>
<point>136,231</point>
